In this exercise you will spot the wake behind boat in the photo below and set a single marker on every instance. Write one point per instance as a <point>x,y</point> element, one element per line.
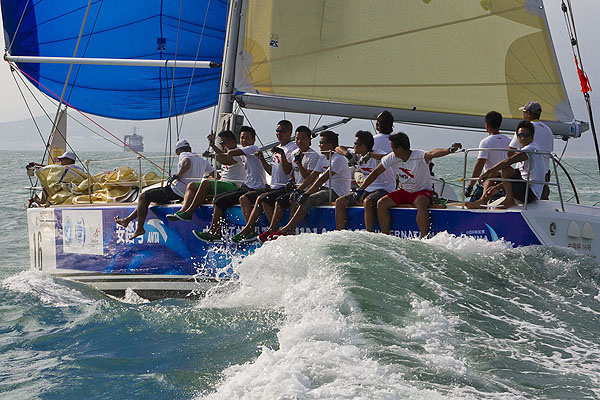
<point>325,66</point>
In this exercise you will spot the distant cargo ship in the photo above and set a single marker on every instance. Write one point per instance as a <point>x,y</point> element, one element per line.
<point>134,141</point>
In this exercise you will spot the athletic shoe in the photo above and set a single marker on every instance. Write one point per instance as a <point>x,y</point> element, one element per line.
<point>276,234</point>
<point>239,238</point>
<point>207,237</point>
<point>263,237</point>
<point>179,216</point>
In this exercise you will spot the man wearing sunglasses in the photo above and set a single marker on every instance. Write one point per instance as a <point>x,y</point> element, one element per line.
<point>531,167</point>
<point>544,138</point>
<point>384,184</point>
<point>329,179</point>
<point>280,169</point>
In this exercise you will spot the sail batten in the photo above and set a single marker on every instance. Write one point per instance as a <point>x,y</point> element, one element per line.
<point>465,57</point>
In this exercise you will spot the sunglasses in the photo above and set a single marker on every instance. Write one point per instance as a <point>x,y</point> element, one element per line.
<point>523,134</point>
<point>322,142</point>
<point>280,131</point>
<point>357,144</point>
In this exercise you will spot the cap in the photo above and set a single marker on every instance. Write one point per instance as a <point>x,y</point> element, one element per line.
<point>532,106</point>
<point>182,143</point>
<point>68,154</point>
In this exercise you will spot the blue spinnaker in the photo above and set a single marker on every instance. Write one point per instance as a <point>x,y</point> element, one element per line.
<point>130,29</point>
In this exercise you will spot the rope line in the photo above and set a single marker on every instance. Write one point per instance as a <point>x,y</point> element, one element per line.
<point>86,117</point>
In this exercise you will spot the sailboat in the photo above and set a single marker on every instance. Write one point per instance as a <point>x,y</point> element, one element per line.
<point>427,62</point>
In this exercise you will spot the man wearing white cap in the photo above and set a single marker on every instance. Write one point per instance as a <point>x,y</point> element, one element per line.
<point>191,167</point>
<point>67,158</point>
<point>543,138</point>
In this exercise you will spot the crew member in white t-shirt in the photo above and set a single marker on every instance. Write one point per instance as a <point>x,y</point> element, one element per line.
<point>531,167</point>
<point>232,176</point>
<point>412,168</point>
<point>255,179</point>
<point>384,184</point>
<point>190,167</point>
<point>486,159</point>
<point>329,180</point>
<point>304,160</point>
<point>544,138</point>
<point>280,168</point>
<point>384,126</point>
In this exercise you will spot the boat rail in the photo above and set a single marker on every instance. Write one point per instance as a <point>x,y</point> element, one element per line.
<point>528,182</point>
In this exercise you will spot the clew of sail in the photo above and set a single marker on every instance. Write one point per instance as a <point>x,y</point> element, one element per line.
<point>439,59</point>
<point>150,30</point>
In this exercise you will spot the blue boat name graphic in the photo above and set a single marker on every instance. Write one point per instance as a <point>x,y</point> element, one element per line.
<point>406,234</point>
<point>155,233</point>
<point>490,234</point>
<point>493,234</point>
<point>123,234</point>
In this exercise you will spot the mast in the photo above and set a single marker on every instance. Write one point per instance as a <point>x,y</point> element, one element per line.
<point>227,87</point>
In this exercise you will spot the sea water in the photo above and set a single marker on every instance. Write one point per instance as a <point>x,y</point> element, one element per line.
<point>343,315</point>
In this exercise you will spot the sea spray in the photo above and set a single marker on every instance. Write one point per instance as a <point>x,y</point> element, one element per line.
<point>339,315</point>
<point>371,316</point>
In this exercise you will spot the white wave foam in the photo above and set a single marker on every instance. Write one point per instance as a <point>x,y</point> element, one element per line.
<point>468,244</point>
<point>321,353</point>
<point>131,297</point>
<point>434,329</point>
<point>46,288</point>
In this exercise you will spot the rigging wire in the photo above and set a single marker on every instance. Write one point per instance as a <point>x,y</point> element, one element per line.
<point>50,119</point>
<point>564,150</point>
<point>567,10</point>
<point>250,123</point>
<point>17,29</point>
<point>581,172</point>
<point>62,96</point>
<point>317,123</point>
<point>194,69</point>
<point>86,116</point>
<point>46,143</point>
<point>85,49</point>
<point>29,109</point>
<point>169,138</point>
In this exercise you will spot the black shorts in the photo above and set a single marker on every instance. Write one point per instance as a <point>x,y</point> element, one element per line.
<point>162,195</point>
<point>284,200</point>
<point>252,195</point>
<point>271,196</point>
<point>228,199</point>
<point>519,189</point>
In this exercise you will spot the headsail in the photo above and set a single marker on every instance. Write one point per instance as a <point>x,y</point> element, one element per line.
<point>437,57</point>
<point>151,29</point>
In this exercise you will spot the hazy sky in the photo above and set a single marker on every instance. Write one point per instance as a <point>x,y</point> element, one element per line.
<point>586,13</point>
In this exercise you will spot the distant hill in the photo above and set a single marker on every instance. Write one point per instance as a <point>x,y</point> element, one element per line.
<point>23,135</point>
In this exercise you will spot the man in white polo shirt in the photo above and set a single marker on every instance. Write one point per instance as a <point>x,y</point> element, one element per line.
<point>531,167</point>
<point>543,138</point>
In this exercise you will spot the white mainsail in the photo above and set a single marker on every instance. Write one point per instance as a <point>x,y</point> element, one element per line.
<point>440,58</point>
